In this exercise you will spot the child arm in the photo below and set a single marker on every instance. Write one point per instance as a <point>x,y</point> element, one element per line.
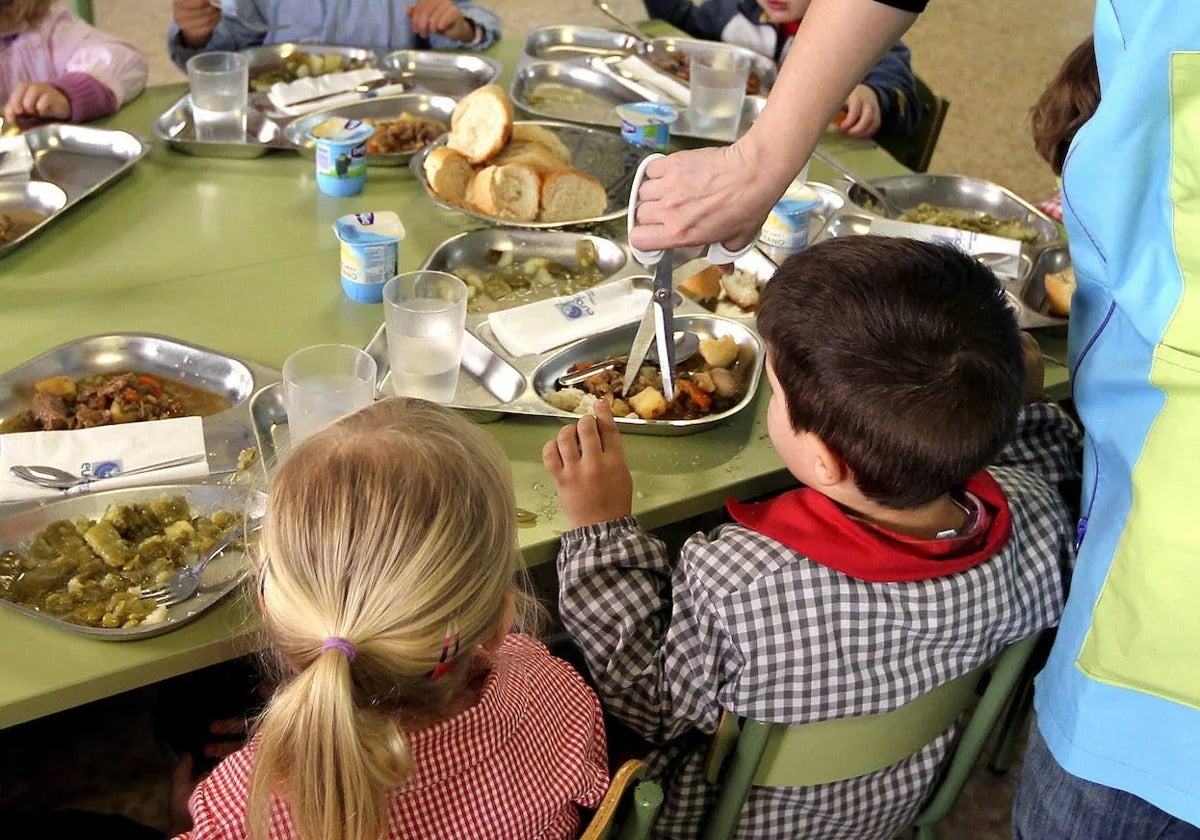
<point>487,29</point>
<point>228,34</point>
<point>1045,442</point>
<point>96,72</point>
<point>894,84</point>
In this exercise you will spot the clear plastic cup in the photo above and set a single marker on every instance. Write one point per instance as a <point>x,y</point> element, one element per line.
<point>718,83</point>
<point>324,382</point>
<point>219,83</point>
<point>426,314</point>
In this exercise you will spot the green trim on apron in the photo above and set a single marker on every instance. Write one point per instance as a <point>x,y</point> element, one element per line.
<point>1147,619</point>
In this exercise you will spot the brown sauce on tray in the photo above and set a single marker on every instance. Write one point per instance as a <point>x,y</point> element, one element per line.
<point>18,221</point>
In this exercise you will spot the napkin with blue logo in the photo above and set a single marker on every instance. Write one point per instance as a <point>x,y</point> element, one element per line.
<point>546,324</point>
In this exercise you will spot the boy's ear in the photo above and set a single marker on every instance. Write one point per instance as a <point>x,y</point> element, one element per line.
<point>828,467</point>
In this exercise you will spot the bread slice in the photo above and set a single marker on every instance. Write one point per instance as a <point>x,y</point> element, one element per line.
<point>1059,288</point>
<point>704,286</point>
<point>569,195</point>
<point>543,135</point>
<point>530,153</point>
<point>742,288</point>
<point>481,123</point>
<point>449,174</point>
<point>508,191</point>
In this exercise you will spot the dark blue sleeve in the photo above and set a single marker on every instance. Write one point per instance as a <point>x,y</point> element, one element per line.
<point>893,81</point>
<point>706,20</point>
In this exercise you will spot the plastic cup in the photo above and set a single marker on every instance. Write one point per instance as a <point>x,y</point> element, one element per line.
<point>370,244</point>
<point>718,83</point>
<point>426,313</point>
<point>647,124</point>
<point>219,83</point>
<point>341,155</point>
<point>325,382</point>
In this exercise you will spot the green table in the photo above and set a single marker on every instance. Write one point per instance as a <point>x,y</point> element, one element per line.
<point>240,256</point>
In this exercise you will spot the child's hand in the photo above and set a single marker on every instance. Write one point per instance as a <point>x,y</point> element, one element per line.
<point>862,113</point>
<point>37,99</point>
<point>196,19</point>
<point>587,461</point>
<point>1035,368</point>
<point>442,17</point>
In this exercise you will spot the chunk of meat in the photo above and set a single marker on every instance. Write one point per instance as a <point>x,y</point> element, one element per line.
<point>49,411</point>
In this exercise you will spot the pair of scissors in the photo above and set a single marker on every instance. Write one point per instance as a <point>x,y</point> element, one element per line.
<point>658,324</point>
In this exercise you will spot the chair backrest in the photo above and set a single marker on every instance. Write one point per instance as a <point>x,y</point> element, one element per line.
<point>83,8</point>
<point>629,808</point>
<point>916,150</point>
<point>777,755</point>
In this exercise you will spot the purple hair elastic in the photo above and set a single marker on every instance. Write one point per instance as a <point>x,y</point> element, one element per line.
<point>344,645</point>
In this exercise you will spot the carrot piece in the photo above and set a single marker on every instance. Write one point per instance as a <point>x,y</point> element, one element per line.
<point>151,383</point>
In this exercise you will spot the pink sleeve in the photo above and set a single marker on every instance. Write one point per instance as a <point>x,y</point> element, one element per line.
<point>89,99</point>
<point>78,48</point>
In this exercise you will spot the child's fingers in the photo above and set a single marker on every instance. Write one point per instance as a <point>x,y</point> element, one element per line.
<point>589,437</point>
<point>568,444</point>
<point>551,458</point>
<point>606,425</point>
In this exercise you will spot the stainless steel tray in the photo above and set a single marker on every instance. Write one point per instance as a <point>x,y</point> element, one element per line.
<point>442,73</point>
<point>79,159</point>
<point>225,434</point>
<point>221,577</point>
<point>602,155</point>
<point>266,58</point>
<point>565,42</point>
<point>425,105</point>
<point>608,88</point>
<point>660,48</point>
<point>30,199</point>
<point>478,248</point>
<point>176,128</point>
<point>961,192</point>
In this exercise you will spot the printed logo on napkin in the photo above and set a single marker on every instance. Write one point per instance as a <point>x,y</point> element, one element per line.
<point>579,306</point>
<point>101,469</point>
<point>1006,252</point>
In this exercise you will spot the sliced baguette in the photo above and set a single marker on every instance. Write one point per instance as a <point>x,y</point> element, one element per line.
<point>1059,288</point>
<point>543,135</point>
<point>704,286</point>
<point>449,174</point>
<point>568,195</point>
<point>508,191</point>
<point>742,288</point>
<point>481,123</point>
<point>530,153</point>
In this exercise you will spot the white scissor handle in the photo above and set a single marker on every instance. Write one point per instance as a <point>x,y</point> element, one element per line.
<point>717,253</point>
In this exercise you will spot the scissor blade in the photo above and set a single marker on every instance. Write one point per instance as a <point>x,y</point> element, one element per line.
<point>664,323</point>
<point>640,347</point>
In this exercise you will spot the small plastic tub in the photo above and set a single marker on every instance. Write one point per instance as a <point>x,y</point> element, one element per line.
<point>647,124</point>
<point>788,224</point>
<point>341,155</point>
<point>370,246</point>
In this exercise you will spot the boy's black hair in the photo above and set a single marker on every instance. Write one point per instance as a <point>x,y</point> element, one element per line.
<point>901,356</point>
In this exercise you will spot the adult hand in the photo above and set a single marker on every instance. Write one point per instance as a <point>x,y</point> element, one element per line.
<point>441,17</point>
<point>863,115</point>
<point>699,197</point>
<point>37,99</point>
<point>587,463</point>
<point>196,20</point>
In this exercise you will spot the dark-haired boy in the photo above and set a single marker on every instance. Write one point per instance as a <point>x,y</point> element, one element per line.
<point>897,375</point>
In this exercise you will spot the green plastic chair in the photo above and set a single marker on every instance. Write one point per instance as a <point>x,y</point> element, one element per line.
<point>776,755</point>
<point>83,8</point>
<point>629,808</point>
<point>916,150</point>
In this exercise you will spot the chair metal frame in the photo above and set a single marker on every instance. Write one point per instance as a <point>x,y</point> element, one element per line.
<point>916,150</point>
<point>629,808</point>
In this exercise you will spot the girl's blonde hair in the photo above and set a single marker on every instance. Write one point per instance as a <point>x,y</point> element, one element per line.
<point>394,529</point>
<point>15,12</point>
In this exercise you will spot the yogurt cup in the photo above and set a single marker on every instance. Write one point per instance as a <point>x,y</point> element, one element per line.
<point>370,246</point>
<point>787,226</point>
<point>341,155</point>
<point>647,124</point>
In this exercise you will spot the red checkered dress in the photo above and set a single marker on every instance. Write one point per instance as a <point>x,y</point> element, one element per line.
<point>515,765</point>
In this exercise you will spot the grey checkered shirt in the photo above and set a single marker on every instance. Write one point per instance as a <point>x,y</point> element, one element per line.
<point>744,624</point>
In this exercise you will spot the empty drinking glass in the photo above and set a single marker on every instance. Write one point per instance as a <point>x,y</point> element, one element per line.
<point>219,84</point>
<point>426,313</point>
<point>325,382</point>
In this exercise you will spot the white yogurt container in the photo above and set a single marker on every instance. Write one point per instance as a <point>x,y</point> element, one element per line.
<point>787,226</point>
<point>370,246</point>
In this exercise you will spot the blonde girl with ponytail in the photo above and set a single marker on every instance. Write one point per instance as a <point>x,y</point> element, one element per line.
<point>406,708</point>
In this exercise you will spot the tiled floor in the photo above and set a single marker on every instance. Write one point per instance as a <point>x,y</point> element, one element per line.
<point>990,59</point>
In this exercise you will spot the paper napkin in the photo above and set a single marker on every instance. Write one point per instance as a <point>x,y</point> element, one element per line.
<point>291,97</point>
<point>1004,254</point>
<point>648,74</point>
<point>16,160</point>
<point>130,445</point>
<point>538,327</point>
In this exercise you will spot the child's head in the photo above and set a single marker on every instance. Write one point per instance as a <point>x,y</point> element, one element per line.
<point>389,545</point>
<point>13,13</point>
<point>784,11</point>
<point>1067,103</point>
<point>900,357</point>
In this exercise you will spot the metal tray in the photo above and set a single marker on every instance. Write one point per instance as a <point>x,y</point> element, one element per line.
<point>176,128</point>
<point>602,155</point>
<point>220,578</point>
<point>442,73</point>
<point>608,88</point>
<point>266,58</point>
<point>382,108</point>
<point>225,434</point>
<point>760,65</point>
<point>37,197</point>
<point>79,159</point>
<point>560,43</point>
<point>473,249</point>
<point>960,192</point>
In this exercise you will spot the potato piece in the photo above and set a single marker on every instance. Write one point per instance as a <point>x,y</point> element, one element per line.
<point>181,532</point>
<point>703,380</point>
<point>723,382</point>
<point>648,403</point>
<point>59,386</point>
<point>719,352</point>
<point>106,541</point>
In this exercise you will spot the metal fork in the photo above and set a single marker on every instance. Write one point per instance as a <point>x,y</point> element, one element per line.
<point>229,10</point>
<point>186,581</point>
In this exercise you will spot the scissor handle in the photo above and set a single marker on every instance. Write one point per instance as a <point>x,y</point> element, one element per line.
<point>717,253</point>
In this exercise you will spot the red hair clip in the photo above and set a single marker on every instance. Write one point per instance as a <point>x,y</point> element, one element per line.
<point>446,660</point>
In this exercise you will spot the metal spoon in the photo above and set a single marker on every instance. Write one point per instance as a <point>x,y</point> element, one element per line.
<point>632,30</point>
<point>56,479</point>
<point>686,345</point>
<point>885,204</point>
